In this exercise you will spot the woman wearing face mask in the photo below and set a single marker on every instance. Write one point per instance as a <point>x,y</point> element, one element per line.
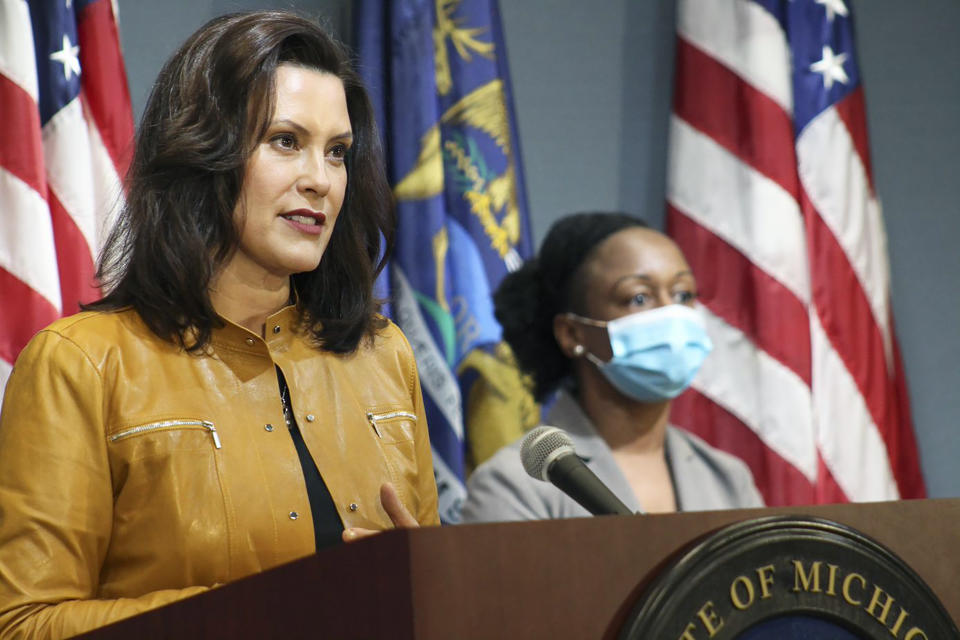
<point>236,401</point>
<point>605,315</point>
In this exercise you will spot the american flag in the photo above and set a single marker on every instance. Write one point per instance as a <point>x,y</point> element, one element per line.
<point>770,196</point>
<point>66,131</point>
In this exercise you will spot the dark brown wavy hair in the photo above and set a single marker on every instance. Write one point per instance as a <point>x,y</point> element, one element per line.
<point>208,109</point>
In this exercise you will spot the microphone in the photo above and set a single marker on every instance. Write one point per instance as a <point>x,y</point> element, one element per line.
<point>547,454</point>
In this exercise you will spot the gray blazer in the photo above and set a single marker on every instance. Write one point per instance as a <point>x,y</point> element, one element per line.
<point>704,478</point>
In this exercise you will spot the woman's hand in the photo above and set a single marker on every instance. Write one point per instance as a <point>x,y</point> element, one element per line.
<point>398,513</point>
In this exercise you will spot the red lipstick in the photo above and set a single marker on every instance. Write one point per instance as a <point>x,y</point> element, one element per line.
<point>305,220</point>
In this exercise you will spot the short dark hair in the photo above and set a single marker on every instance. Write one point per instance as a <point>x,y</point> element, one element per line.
<point>554,282</point>
<point>210,106</point>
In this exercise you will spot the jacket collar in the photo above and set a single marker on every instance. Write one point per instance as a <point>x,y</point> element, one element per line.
<point>567,414</point>
<point>247,353</point>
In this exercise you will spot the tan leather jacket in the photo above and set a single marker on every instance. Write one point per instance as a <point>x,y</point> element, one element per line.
<point>133,474</point>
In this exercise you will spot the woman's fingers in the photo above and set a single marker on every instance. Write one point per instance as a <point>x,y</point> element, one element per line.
<point>355,533</point>
<point>394,507</point>
<point>391,503</point>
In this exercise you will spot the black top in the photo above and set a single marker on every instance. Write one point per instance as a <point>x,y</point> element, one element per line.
<point>327,527</point>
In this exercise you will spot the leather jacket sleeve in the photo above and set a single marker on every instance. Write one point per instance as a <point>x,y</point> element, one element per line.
<point>56,498</point>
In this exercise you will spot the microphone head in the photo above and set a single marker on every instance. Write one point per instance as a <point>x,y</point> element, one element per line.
<point>541,447</point>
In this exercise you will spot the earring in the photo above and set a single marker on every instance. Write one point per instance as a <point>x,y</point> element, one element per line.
<point>578,350</point>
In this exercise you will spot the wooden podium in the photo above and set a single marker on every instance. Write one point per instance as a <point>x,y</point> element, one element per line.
<point>576,579</point>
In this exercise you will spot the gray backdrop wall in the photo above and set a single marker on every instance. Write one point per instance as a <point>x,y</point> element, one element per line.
<point>592,84</point>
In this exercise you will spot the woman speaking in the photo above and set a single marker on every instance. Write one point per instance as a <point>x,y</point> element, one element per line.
<point>235,401</point>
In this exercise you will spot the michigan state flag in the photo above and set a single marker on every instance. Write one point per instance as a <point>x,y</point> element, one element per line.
<point>437,74</point>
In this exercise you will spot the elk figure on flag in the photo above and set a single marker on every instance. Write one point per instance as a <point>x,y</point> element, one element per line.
<point>68,125</point>
<point>436,70</point>
<point>771,197</point>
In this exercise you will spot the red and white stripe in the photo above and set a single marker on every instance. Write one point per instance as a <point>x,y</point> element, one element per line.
<point>787,242</point>
<point>59,184</point>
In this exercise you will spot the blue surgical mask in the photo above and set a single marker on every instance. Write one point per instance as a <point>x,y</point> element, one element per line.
<point>656,353</point>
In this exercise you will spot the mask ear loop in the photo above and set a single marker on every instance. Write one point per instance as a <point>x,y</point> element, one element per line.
<point>587,321</point>
<point>594,360</point>
<point>579,350</point>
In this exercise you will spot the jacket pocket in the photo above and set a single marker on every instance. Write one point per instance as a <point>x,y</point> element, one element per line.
<point>395,431</point>
<point>168,425</point>
<point>168,478</point>
<point>393,426</point>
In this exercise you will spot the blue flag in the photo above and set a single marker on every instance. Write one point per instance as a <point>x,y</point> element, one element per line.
<point>437,74</point>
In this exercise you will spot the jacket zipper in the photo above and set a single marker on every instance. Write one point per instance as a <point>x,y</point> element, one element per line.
<point>375,417</point>
<point>154,426</point>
